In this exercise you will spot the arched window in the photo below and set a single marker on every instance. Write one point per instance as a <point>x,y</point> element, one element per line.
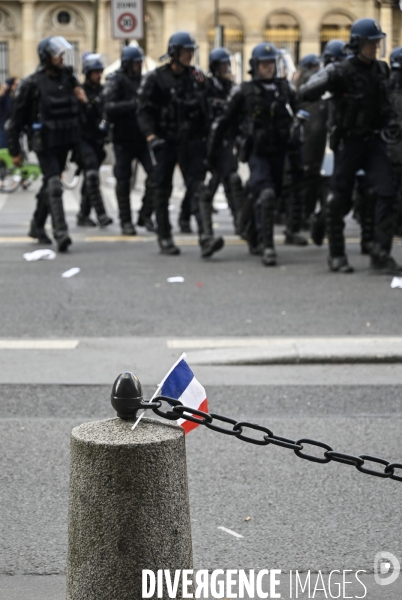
<point>233,35</point>
<point>335,26</point>
<point>283,30</point>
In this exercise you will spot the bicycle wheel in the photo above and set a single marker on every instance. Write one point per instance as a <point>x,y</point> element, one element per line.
<point>71,175</point>
<point>10,179</point>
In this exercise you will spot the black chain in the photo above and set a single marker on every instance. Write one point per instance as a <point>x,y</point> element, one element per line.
<point>179,411</point>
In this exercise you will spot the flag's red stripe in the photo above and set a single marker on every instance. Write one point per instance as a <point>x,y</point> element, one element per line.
<point>189,425</point>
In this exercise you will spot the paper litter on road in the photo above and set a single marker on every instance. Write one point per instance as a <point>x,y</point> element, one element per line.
<point>177,279</point>
<point>71,272</point>
<point>42,254</point>
<point>221,205</point>
<point>396,282</point>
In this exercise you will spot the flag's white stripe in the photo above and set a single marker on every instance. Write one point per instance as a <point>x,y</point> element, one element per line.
<point>194,395</point>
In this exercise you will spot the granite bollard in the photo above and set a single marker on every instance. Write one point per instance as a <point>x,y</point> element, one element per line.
<point>129,506</point>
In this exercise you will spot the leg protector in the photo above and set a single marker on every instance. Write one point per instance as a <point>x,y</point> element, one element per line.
<point>209,244</point>
<point>267,199</point>
<point>123,198</point>
<point>238,197</point>
<point>367,215</point>
<point>60,229</point>
<point>335,225</point>
<point>93,192</point>
<point>160,200</point>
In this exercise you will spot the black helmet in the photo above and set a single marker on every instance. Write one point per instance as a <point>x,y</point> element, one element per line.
<point>395,58</point>
<point>334,51</point>
<point>310,61</point>
<point>92,62</point>
<point>51,47</point>
<point>263,51</point>
<point>364,29</point>
<point>180,39</point>
<point>217,57</point>
<point>131,54</point>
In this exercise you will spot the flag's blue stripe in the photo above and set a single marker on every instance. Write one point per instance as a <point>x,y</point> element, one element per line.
<point>178,380</point>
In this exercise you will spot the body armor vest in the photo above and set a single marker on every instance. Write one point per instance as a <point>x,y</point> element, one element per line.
<point>359,112</point>
<point>268,115</point>
<point>395,96</point>
<point>125,127</point>
<point>58,110</point>
<point>185,110</point>
<point>93,114</point>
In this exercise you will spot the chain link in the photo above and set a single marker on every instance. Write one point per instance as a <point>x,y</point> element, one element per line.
<point>179,411</point>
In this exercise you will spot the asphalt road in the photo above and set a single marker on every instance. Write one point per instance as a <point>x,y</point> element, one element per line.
<point>303,515</point>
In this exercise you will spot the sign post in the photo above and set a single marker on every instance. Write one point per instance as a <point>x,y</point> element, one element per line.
<point>127,19</point>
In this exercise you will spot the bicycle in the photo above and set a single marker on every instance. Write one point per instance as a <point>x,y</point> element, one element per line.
<point>12,177</point>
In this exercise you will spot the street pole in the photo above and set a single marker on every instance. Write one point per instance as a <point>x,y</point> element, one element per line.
<point>96,22</point>
<point>143,42</point>
<point>218,41</point>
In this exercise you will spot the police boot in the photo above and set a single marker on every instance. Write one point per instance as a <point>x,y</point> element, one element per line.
<point>238,198</point>
<point>94,195</point>
<point>209,244</point>
<point>381,261</point>
<point>83,218</point>
<point>267,199</point>
<point>38,233</point>
<point>145,213</point>
<point>317,227</point>
<point>294,218</point>
<point>60,229</point>
<point>123,199</point>
<point>337,259</point>
<point>160,199</point>
<point>367,211</point>
<point>37,225</point>
<point>167,246</point>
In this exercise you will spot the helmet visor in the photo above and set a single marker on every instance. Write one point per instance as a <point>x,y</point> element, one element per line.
<point>57,46</point>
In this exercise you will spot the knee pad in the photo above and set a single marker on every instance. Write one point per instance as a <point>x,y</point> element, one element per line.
<point>55,186</point>
<point>267,198</point>
<point>235,181</point>
<point>92,178</point>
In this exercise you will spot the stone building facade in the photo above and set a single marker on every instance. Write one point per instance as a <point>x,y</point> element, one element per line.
<point>301,26</point>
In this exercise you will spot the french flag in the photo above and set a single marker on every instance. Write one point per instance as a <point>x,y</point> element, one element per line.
<point>181,384</point>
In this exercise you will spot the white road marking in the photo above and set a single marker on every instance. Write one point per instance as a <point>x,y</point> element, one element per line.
<point>236,535</point>
<point>3,200</point>
<point>38,344</point>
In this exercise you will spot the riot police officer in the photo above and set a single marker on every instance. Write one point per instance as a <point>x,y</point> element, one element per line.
<point>47,104</point>
<point>173,117</point>
<point>223,163</point>
<point>395,149</point>
<point>91,152</point>
<point>266,106</point>
<point>121,103</point>
<point>361,111</point>
<point>315,137</point>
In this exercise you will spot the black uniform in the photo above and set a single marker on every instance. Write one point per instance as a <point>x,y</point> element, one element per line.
<point>395,150</point>
<point>265,109</point>
<point>46,107</point>
<point>224,162</point>
<point>315,139</point>
<point>173,108</point>
<point>91,153</point>
<point>361,108</point>
<point>121,103</point>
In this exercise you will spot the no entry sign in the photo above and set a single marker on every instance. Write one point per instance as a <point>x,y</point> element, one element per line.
<point>127,19</point>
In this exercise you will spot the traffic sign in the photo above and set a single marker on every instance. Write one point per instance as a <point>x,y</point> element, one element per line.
<point>127,19</point>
